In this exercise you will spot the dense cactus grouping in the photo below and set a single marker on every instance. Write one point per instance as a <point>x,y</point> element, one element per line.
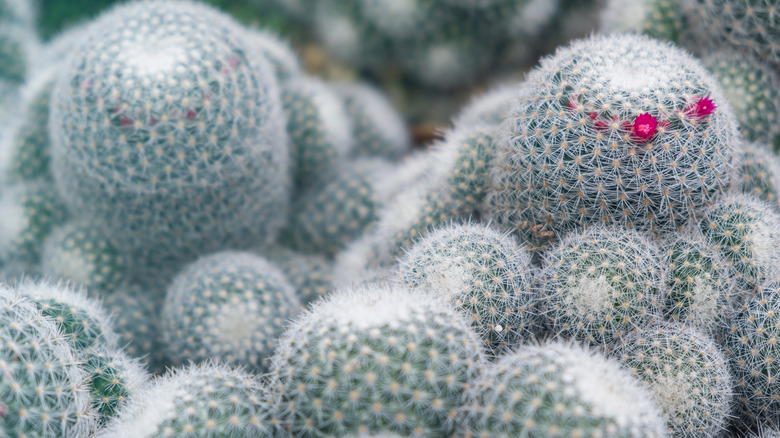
<point>390,219</point>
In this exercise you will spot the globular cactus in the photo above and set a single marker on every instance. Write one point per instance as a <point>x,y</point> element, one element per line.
<point>229,306</point>
<point>490,108</point>
<point>613,129</point>
<point>660,19</point>
<point>112,377</point>
<point>601,284</point>
<point>374,360</point>
<point>329,216</point>
<point>79,253</point>
<point>135,313</point>
<point>484,273</point>
<point>45,392</point>
<point>746,232</point>
<point>745,25</point>
<point>204,400</point>
<point>558,389</point>
<point>377,128</point>
<point>318,126</point>
<point>699,288</point>
<point>752,348</point>
<point>311,275</point>
<point>30,210</point>
<point>760,173</point>
<point>186,152</point>
<point>277,51</point>
<point>687,373</point>
<point>753,91</point>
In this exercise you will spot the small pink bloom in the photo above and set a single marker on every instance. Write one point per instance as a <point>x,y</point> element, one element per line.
<point>593,115</point>
<point>645,126</point>
<point>601,125</point>
<point>703,107</point>
<point>191,114</point>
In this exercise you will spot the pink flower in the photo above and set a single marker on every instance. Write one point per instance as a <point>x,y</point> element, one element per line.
<point>703,107</point>
<point>644,127</point>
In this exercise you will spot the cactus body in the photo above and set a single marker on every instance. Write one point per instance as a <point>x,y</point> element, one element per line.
<point>746,232</point>
<point>760,173</point>
<point>490,108</point>
<point>205,400</point>
<point>660,19</point>
<point>186,152</point>
<point>601,285</point>
<point>112,377</point>
<point>560,390</point>
<point>614,129</point>
<point>81,254</point>
<point>277,51</point>
<point>228,305</point>
<point>374,360</point>
<point>687,373</point>
<point>310,275</point>
<point>484,273</point>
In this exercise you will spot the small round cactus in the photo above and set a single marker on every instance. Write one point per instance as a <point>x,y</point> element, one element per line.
<point>318,126</point>
<point>374,360</point>
<point>687,373</point>
<point>377,128</point>
<point>206,400</point>
<point>601,284</point>
<point>614,129</point>
<point>309,274</point>
<point>558,389</point>
<point>746,232</point>
<point>30,210</point>
<point>699,288</point>
<point>760,173</point>
<point>167,136</point>
<point>753,91</point>
<point>44,389</point>
<point>112,377</point>
<point>484,273</point>
<point>229,305</point>
<point>660,19</point>
<point>81,254</point>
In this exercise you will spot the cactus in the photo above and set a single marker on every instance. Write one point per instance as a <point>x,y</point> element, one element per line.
<point>753,91</point>
<point>750,25</point>
<point>205,400</point>
<point>186,152</point>
<point>760,172</point>
<point>699,288</point>
<point>613,129</point>
<point>377,128</point>
<point>81,319</point>
<point>318,126</point>
<point>30,211</point>
<point>660,19</point>
<point>229,305</point>
<point>557,389</point>
<point>309,274</point>
<point>752,348</point>
<point>277,51</point>
<point>79,253</point>
<point>17,11</point>
<point>371,360</point>
<point>601,284</point>
<point>44,389</point>
<point>17,47</point>
<point>687,373</point>
<point>112,377</point>
<point>490,108</point>
<point>746,232</point>
<point>484,273</point>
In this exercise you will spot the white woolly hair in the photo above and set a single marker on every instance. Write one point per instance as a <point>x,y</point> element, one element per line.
<point>373,105</point>
<point>24,310</point>
<point>330,110</point>
<point>413,170</point>
<point>262,42</point>
<point>156,401</point>
<point>73,296</point>
<point>486,106</point>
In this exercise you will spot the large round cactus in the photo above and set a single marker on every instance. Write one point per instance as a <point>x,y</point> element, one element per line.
<point>484,273</point>
<point>44,389</point>
<point>614,129</point>
<point>230,306</point>
<point>687,373</point>
<point>205,400</point>
<point>168,135</point>
<point>560,390</point>
<point>601,285</point>
<point>374,359</point>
